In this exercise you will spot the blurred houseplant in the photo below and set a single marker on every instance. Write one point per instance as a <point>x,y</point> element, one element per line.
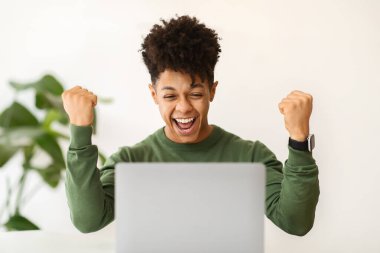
<point>21,131</point>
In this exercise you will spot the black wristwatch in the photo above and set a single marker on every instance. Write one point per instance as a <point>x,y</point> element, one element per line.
<point>307,145</point>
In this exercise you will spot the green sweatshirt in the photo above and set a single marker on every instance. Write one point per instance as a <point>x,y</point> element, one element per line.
<point>292,191</point>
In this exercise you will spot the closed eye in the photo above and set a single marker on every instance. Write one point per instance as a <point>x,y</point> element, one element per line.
<point>169,97</point>
<point>197,95</point>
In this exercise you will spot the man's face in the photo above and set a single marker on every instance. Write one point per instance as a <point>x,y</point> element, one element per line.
<point>183,106</point>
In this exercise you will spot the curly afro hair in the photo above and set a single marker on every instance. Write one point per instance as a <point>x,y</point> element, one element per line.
<point>182,44</point>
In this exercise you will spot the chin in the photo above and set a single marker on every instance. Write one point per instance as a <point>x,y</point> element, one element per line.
<point>185,138</point>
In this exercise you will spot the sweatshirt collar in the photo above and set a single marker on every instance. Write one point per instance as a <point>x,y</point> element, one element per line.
<point>208,142</point>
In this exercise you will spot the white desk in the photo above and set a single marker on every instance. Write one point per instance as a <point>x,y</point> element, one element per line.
<point>49,242</point>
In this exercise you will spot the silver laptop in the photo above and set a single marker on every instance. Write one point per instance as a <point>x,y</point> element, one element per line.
<point>190,207</point>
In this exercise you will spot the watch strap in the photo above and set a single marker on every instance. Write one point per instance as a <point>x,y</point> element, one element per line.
<point>298,145</point>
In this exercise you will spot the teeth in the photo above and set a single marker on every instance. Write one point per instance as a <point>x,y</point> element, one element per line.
<point>185,120</point>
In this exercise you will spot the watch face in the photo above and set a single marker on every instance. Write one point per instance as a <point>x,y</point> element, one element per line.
<point>311,142</point>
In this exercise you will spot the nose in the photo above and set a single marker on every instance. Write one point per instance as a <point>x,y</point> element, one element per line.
<point>184,106</point>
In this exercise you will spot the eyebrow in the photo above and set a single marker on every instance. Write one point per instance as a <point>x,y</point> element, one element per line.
<point>167,88</point>
<point>196,85</point>
<point>192,86</point>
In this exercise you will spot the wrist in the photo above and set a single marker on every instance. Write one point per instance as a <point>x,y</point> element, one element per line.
<point>300,134</point>
<point>80,122</point>
<point>299,137</point>
<point>305,145</point>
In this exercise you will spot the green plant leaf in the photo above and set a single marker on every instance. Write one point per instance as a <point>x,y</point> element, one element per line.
<point>17,115</point>
<point>28,153</point>
<point>41,101</point>
<point>102,158</point>
<point>51,116</point>
<point>57,135</point>
<point>18,222</point>
<point>20,136</point>
<point>94,123</point>
<point>47,83</point>
<point>49,101</point>
<point>6,153</point>
<point>46,100</point>
<point>64,120</point>
<point>48,93</point>
<point>104,100</point>
<point>51,175</point>
<point>50,145</point>
<point>20,87</point>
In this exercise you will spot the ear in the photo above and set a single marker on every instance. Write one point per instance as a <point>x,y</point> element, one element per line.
<point>153,93</point>
<point>213,90</point>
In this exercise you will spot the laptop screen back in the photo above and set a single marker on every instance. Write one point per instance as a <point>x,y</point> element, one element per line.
<point>190,207</point>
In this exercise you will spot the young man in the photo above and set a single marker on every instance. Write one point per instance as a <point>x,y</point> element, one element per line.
<point>181,55</point>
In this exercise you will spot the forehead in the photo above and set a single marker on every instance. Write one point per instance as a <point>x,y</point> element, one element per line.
<point>176,80</point>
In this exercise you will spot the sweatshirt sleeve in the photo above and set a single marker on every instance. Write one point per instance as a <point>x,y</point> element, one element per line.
<point>89,191</point>
<point>292,190</point>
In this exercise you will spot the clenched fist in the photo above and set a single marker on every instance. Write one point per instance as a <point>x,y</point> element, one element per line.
<point>79,104</point>
<point>296,108</point>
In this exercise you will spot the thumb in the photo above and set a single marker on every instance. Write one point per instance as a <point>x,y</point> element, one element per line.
<point>281,107</point>
<point>94,100</point>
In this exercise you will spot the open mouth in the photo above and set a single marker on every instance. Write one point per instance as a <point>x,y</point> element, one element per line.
<point>185,125</point>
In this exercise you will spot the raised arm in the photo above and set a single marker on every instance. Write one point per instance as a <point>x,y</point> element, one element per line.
<point>89,191</point>
<point>292,190</point>
<point>292,195</point>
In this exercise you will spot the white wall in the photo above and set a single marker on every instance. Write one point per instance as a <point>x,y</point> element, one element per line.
<point>329,48</point>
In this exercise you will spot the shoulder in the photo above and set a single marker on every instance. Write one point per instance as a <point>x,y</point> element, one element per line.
<point>235,140</point>
<point>137,153</point>
<point>141,149</point>
<point>238,143</point>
